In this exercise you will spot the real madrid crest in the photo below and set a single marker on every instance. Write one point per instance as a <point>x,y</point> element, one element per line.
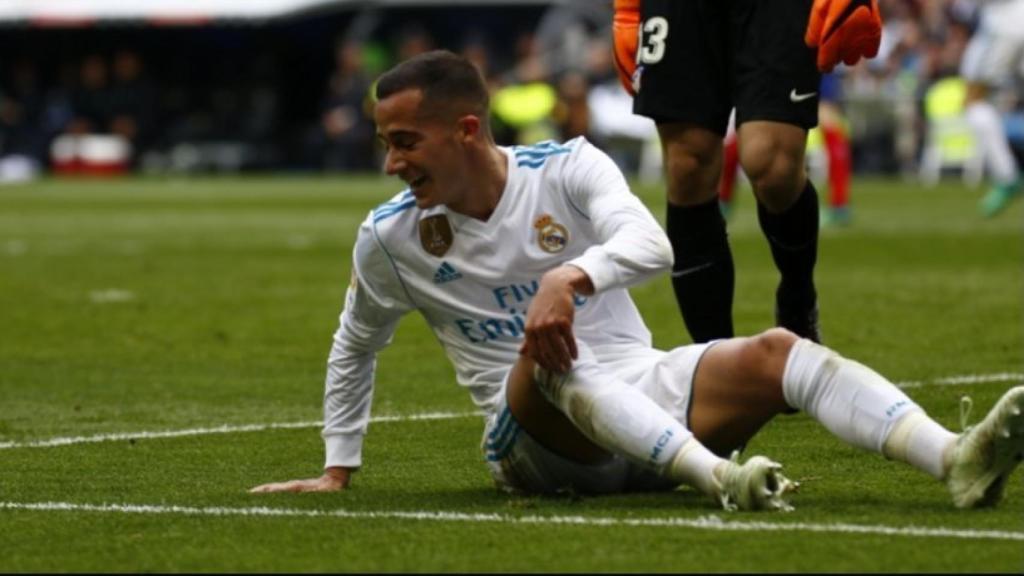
<point>436,234</point>
<point>551,236</point>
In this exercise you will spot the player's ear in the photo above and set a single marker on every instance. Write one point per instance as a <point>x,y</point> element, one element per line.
<point>469,126</point>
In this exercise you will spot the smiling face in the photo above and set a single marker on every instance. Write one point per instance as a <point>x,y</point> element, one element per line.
<point>427,151</point>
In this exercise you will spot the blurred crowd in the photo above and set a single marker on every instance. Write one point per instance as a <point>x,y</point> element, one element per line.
<point>111,112</point>
<point>896,101</point>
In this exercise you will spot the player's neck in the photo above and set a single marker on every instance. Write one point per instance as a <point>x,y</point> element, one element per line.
<point>486,185</point>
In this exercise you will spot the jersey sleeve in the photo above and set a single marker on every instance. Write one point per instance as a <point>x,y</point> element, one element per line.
<point>374,303</point>
<point>632,246</point>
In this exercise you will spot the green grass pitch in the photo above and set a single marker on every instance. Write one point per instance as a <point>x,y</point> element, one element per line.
<point>137,306</point>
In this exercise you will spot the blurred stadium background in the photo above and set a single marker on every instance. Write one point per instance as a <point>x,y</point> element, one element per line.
<point>223,86</point>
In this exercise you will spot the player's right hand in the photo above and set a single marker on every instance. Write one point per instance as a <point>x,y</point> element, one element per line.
<point>333,480</point>
<point>843,31</point>
<point>626,33</point>
<point>549,338</point>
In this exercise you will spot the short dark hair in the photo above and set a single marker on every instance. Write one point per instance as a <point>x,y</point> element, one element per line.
<point>448,81</point>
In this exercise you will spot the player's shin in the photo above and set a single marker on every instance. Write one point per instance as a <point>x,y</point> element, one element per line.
<point>863,408</point>
<point>703,276</point>
<point>793,238</point>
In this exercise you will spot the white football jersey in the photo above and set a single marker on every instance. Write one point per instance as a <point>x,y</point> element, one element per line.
<point>473,280</point>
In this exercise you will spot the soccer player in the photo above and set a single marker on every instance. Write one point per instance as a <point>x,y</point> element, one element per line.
<point>689,64</point>
<point>519,259</point>
<point>993,57</point>
<point>836,142</point>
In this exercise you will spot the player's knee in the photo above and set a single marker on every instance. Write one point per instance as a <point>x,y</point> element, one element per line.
<point>775,341</point>
<point>777,182</point>
<point>693,164</point>
<point>775,166</point>
<point>691,178</point>
<point>765,355</point>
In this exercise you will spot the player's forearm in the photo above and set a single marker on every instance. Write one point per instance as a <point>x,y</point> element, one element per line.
<point>634,243</point>
<point>362,332</point>
<point>633,246</point>
<point>633,254</point>
<point>348,388</point>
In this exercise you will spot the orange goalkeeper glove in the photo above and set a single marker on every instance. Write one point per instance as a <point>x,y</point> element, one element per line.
<point>843,30</point>
<point>626,32</point>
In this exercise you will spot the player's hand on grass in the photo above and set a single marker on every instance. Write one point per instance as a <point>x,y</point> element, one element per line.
<point>843,31</point>
<point>333,480</point>
<point>549,337</point>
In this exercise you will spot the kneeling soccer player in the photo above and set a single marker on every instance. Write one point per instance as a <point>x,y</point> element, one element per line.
<point>519,259</point>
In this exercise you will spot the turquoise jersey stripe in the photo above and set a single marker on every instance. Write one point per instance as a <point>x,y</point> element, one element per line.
<point>391,208</point>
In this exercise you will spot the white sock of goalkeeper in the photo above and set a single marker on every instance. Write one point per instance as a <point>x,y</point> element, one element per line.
<point>623,420</point>
<point>862,408</point>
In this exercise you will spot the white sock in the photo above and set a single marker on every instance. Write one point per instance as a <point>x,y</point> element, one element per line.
<point>695,465</point>
<point>853,401</point>
<point>921,442</point>
<point>990,137</point>
<point>623,420</point>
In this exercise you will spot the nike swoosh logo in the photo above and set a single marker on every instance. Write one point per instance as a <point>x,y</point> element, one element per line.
<point>795,97</point>
<point>838,22</point>
<point>688,271</point>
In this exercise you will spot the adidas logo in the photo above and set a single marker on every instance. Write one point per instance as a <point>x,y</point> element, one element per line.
<point>446,273</point>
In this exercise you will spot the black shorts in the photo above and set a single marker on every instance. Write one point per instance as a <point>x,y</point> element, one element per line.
<point>701,58</point>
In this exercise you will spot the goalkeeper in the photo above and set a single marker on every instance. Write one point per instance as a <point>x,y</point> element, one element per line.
<point>688,65</point>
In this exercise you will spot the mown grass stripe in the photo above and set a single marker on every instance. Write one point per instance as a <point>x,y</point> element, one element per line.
<point>710,522</point>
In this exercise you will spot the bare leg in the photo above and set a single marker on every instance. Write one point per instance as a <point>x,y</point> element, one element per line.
<point>737,389</point>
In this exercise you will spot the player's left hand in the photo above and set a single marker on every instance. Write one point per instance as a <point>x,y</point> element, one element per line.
<point>843,31</point>
<point>332,480</point>
<point>549,338</point>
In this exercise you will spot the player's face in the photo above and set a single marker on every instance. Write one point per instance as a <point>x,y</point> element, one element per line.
<point>423,150</point>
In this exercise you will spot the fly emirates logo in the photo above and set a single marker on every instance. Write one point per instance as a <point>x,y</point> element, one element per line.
<point>513,300</point>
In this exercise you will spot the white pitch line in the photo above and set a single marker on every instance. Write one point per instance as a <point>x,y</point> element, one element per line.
<point>711,522</point>
<point>225,429</point>
<point>967,379</point>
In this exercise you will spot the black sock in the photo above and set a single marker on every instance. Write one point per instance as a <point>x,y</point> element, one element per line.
<point>793,237</point>
<point>702,276</point>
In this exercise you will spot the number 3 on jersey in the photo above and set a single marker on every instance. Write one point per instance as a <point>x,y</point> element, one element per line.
<point>652,40</point>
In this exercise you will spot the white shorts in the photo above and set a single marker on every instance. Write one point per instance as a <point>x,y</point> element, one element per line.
<point>519,463</point>
<point>993,59</point>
